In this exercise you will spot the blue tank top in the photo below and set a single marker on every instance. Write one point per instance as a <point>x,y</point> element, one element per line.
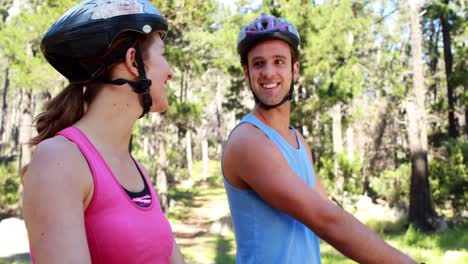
<point>264,234</point>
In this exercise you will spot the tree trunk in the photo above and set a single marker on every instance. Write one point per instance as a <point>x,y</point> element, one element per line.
<point>205,158</point>
<point>337,146</point>
<point>15,121</point>
<point>161,177</point>
<point>188,152</point>
<point>421,212</point>
<point>350,142</point>
<point>448,58</point>
<point>219,107</point>
<point>25,130</point>
<point>4,115</point>
<point>433,57</point>
<point>182,81</point>
<point>465,90</point>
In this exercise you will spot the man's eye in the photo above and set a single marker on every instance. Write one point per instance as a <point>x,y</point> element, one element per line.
<point>258,63</point>
<point>279,62</point>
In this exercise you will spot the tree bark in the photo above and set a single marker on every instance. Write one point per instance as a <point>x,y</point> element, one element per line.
<point>188,152</point>
<point>433,56</point>
<point>337,146</point>
<point>205,157</point>
<point>25,130</point>
<point>448,58</point>
<point>13,126</point>
<point>350,142</point>
<point>161,177</point>
<point>421,212</point>
<point>4,115</point>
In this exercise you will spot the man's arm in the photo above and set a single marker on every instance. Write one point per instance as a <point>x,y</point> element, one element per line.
<point>251,157</point>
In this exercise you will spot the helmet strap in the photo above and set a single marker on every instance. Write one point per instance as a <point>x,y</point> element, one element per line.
<point>287,97</point>
<point>141,87</point>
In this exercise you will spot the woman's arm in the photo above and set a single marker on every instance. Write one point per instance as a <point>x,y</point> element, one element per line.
<point>176,257</point>
<point>55,188</point>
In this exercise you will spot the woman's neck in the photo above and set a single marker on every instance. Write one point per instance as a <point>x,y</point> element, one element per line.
<point>109,120</point>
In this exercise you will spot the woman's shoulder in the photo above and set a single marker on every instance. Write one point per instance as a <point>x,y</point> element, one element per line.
<point>57,156</point>
<point>56,148</point>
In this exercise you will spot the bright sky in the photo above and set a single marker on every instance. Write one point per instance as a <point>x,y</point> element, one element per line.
<point>232,3</point>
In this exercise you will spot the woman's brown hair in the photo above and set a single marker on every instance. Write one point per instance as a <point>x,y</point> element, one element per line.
<point>70,104</point>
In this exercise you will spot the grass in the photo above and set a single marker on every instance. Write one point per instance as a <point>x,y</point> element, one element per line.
<point>450,247</point>
<point>212,249</point>
<point>15,260</point>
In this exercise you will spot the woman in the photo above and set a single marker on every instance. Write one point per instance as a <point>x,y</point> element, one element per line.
<point>86,200</point>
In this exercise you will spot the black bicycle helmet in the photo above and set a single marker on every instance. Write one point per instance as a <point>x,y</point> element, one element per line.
<point>87,30</point>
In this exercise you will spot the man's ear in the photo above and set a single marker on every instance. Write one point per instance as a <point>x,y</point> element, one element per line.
<point>246,71</point>
<point>130,61</point>
<point>296,68</point>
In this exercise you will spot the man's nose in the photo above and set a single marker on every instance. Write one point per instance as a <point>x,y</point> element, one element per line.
<point>268,70</point>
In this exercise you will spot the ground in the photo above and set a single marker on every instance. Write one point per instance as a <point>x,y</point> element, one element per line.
<point>199,216</point>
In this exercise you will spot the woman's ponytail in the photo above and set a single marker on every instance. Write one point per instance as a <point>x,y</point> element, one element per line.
<point>60,112</point>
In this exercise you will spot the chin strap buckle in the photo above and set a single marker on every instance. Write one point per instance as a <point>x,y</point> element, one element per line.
<point>141,86</point>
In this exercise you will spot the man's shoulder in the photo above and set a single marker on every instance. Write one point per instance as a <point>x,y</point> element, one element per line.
<point>246,133</point>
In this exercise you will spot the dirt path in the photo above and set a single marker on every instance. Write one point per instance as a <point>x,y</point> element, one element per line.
<point>204,233</point>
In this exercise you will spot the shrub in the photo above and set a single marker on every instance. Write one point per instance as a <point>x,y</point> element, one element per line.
<point>393,185</point>
<point>9,184</point>
<point>449,175</point>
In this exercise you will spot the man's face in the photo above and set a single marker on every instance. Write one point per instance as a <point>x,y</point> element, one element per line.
<point>270,70</point>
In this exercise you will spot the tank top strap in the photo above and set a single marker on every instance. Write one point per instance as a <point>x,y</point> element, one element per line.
<point>269,132</point>
<point>95,162</point>
<point>273,135</point>
<point>88,150</point>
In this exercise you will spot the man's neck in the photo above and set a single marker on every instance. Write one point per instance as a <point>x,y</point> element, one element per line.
<point>277,118</point>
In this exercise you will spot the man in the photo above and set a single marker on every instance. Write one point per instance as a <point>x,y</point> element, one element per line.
<point>278,206</point>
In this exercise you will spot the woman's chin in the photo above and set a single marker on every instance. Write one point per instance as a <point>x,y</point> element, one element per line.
<point>161,107</point>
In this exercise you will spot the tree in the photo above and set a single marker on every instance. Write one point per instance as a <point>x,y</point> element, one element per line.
<point>421,211</point>
<point>448,58</point>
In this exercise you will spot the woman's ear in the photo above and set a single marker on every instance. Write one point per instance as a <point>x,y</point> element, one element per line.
<point>130,61</point>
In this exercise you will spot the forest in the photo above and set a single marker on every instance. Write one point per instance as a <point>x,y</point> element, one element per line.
<point>382,101</point>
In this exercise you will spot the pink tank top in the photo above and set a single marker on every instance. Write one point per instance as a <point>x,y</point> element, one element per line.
<point>117,229</point>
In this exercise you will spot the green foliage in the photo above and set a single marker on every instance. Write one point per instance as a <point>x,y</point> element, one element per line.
<point>326,172</point>
<point>213,178</point>
<point>351,170</point>
<point>381,226</point>
<point>185,115</point>
<point>20,42</point>
<point>449,175</point>
<point>9,184</point>
<point>333,33</point>
<point>412,236</point>
<point>394,186</point>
